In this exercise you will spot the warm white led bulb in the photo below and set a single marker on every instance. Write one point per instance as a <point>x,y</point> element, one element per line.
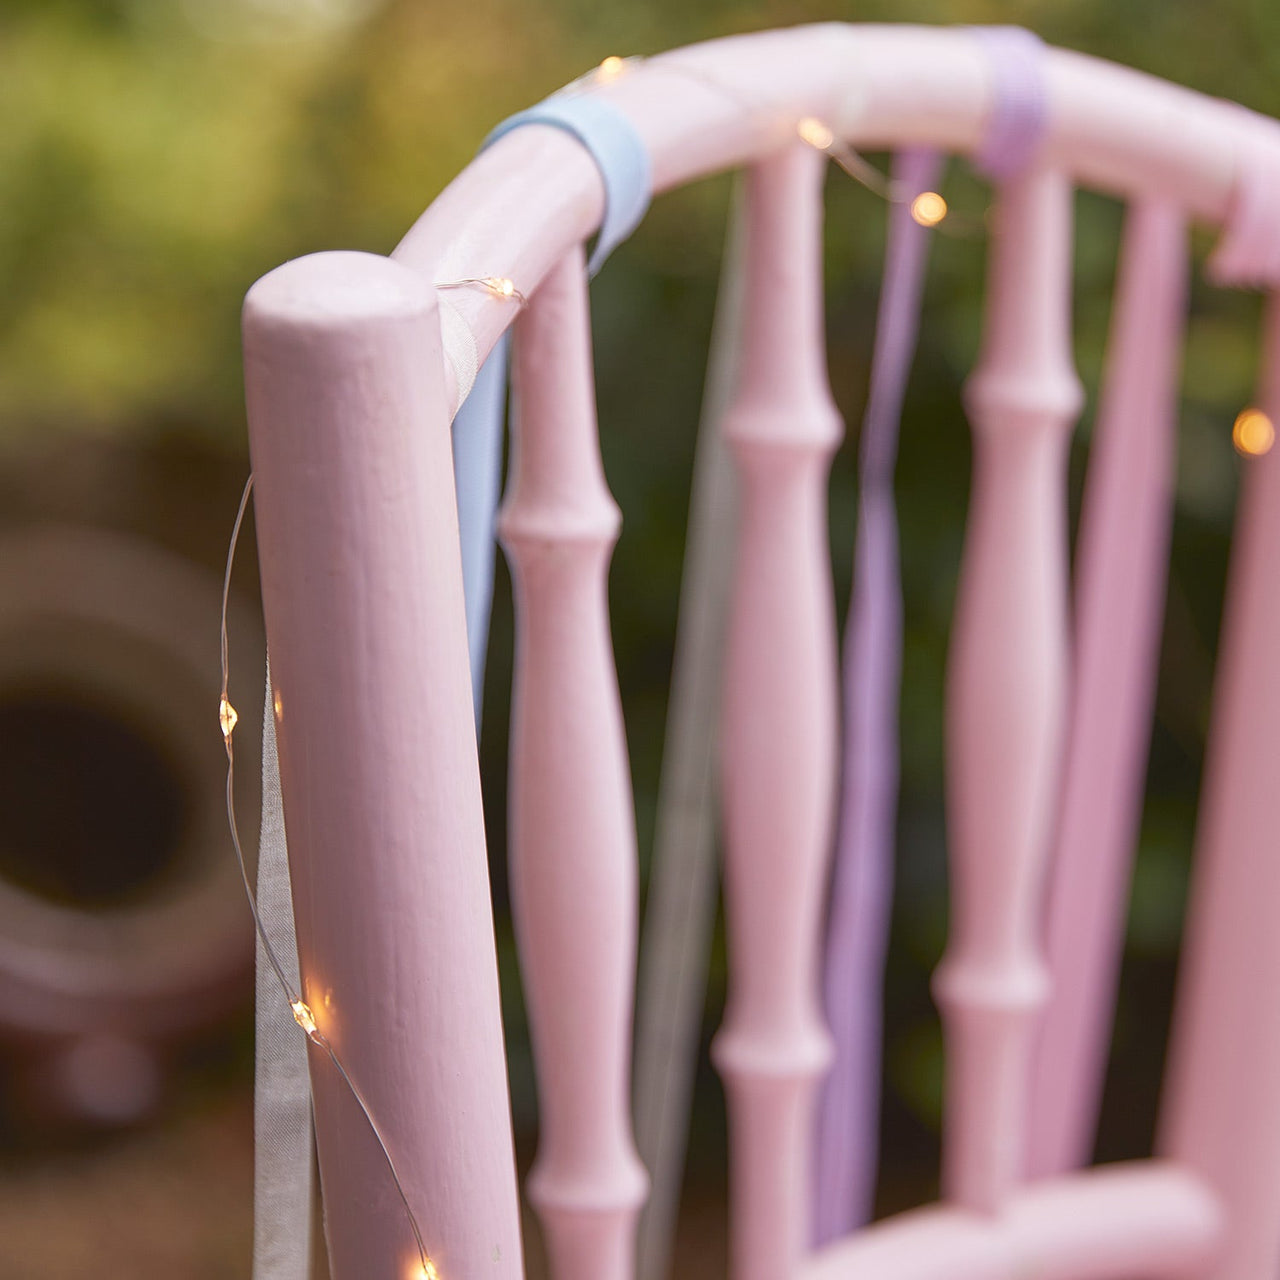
<point>227,718</point>
<point>610,69</point>
<point>1253,433</point>
<point>815,133</point>
<point>928,208</point>
<point>303,1016</point>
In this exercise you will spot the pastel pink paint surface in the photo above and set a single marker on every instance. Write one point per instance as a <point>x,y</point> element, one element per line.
<point>572,831</point>
<point>1121,553</point>
<point>1005,687</point>
<point>1220,1114</point>
<point>350,394</point>
<point>362,585</point>
<point>778,721</point>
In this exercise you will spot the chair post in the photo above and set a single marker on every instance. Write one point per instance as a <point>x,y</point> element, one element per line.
<point>1122,553</point>
<point>573,869</point>
<point>778,745</point>
<point>362,588</point>
<point>1005,691</point>
<point>1220,1113</point>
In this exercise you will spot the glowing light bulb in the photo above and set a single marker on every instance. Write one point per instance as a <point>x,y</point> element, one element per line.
<point>303,1016</point>
<point>427,1271</point>
<point>1253,433</point>
<point>928,208</point>
<point>610,69</point>
<point>495,286</point>
<point>815,133</point>
<point>227,718</point>
<point>277,704</point>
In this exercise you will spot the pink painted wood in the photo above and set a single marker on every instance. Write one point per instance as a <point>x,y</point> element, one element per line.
<point>1220,1115</point>
<point>1005,688</point>
<point>573,844</point>
<point>710,107</point>
<point>778,740</point>
<point>1122,548</point>
<point>1151,1219</point>
<point>358,540</point>
<point>349,396</point>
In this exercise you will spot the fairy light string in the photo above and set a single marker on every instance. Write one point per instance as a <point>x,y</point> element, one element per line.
<point>496,286</point>
<point>303,1015</point>
<point>928,208</point>
<point>501,287</point>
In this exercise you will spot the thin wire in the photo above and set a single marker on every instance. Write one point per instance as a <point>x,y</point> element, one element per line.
<point>312,1032</point>
<point>853,162</point>
<point>495,286</point>
<point>319,1038</point>
<point>292,995</point>
<point>860,169</point>
<point>606,72</point>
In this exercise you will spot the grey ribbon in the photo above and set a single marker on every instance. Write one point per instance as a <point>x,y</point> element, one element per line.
<point>680,913</point>
<point>282,1126</point>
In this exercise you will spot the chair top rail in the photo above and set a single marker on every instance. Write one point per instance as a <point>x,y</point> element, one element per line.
<point>715,106</point>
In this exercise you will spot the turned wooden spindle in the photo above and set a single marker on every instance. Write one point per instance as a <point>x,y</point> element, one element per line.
<point>572,840</point>
<point>1220,1114</point>
<point>778,746</point>
<point>362,590</point>
<point>1006,685</point>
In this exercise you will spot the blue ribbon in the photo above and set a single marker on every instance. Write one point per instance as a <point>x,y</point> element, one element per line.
<point>612,142</point>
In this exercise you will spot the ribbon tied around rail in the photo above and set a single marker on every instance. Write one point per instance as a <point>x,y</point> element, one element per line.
<point>623,162</point>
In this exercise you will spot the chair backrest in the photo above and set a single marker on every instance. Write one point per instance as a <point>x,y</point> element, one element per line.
<point>351,390</point>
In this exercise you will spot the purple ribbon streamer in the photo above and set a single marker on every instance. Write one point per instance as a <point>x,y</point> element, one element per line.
<point>861,892</point>
<point>847,1137</point>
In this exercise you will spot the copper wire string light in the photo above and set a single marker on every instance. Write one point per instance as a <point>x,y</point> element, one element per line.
<point>496,286</point>
<point>821,137</point>
<point>1253,432</point>
<point>928,208</point>
<point>302,1013</point>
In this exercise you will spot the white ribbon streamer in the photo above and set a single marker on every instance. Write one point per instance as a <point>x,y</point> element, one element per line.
<point>282,1124</point>
<point>680,914</point>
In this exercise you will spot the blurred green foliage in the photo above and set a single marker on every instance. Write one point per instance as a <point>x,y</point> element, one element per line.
<point>151,167</point>
<point>149,172</point>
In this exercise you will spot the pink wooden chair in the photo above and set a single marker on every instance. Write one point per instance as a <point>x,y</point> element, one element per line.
<point>351,389</point>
